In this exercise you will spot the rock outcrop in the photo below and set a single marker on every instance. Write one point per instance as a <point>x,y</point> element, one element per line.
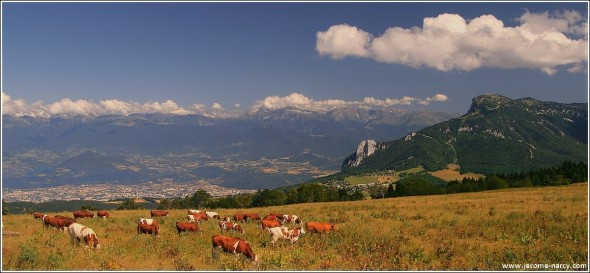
<point>363,150</point>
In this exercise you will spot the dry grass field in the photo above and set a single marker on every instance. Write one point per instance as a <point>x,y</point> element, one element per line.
<point>468,231</point>
<point>452,172</point>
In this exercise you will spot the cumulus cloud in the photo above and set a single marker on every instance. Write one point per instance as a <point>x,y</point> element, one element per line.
<point>437,97</point>
<point>69,107</point>
<point>217,106</point>
<point>449,42</point>
<point>300,101</point>
<point>343,40</point>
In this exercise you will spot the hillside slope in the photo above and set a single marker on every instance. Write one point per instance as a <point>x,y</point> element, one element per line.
<point>498,134</point>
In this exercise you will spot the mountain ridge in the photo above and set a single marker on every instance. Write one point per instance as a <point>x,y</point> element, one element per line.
<point>262,149</point>
<point>496,135</point>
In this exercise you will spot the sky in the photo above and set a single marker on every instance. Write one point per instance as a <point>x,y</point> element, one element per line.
<point>104,58</point>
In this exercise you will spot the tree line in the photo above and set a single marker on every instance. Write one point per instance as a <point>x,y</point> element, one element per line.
<point>567,173</point>
<point>305,193</point>
<point>421,184</point>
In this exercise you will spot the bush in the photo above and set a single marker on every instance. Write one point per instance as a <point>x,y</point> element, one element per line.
<point>418,185</point>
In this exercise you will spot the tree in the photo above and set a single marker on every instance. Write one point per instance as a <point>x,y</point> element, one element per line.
<point>88,207</point>
<point>5,209</point>
<point>311,192</point>
<point>244,200</point>
<point>416,186</point>
<point>377,191</point>
<point>390,191</point>
<point>357,194</point>
<point>164,204</point>
<point>292,197</point>
<point>269,197</point>
<point>200,199</point>
<point>128,204</point>
<point>495,182</point>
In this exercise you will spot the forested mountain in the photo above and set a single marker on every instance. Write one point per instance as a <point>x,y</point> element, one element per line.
<point>497,135</point>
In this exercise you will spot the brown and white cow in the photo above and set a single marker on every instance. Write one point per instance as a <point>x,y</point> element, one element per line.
<point>226,219</point>
<point>277,233</point>
<point>186,227</point>
<point>289,218</point>
<point>212,214</point>
<point>270,217</point>
<point>146,221</point>
<point>80,232</point>
<point>320,227</point>
<point>223,225</point>
<point>251,216</point>
<point>197,217</point>
<point>155,213</point>
<point>269,224</point>
<point>53,222</point>
<point>191,211</point>
<point>149,229</point>
<point>103,214</point>
<point>239,217</point>
<point>67,221</point>
<point>60,222</point>
<point>232,245</point>
<point>83,214</point>
<point>38,215</point>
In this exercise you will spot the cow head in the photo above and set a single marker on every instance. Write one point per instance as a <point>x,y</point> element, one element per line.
<point>334,227</point>
<point>238,228</point>
<point>91,239</point>
<point>248,252</point>
<point>301,230</point>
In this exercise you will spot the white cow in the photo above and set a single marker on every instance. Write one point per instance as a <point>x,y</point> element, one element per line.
<point>80,232</point>
<point>285,233</point>
<point>191,211</point>
<point>212,214</point>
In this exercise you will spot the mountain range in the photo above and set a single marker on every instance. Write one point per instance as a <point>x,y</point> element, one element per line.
<point>497,135</point>
<point>256,149</point>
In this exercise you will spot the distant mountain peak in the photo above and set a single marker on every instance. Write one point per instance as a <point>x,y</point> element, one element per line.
<point>488,102</point>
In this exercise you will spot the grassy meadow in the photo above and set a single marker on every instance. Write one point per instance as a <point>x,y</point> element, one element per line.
<point>467,231</point>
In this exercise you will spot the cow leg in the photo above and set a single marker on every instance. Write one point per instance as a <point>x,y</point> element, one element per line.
<point>215,252</point>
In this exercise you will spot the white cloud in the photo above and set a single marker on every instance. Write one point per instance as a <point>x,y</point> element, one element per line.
<point>217,106</point>
<point>437,97</point>
<point>69,107</point>
<point>449,42</point>
<point>237,105</point>
<point>578,68</point>
<point>302,102</point>
<point>343,40</point>
<point>5,98</point>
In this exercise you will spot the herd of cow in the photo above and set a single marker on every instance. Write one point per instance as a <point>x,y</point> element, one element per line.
<point>273,223</point>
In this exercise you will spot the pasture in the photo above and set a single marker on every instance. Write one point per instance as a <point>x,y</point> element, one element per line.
<point>452,172</point>
<point>467,231</point>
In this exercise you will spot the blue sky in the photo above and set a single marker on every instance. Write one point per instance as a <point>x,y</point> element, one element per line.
<point>228,54</point>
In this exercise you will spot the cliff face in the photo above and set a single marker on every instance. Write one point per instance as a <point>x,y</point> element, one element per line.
<point>365,149</point>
